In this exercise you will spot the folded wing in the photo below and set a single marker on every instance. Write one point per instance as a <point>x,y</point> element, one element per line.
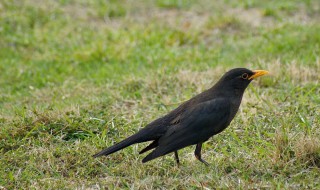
<point>196,125</point>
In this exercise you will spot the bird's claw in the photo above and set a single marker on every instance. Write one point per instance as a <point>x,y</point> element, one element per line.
<point>202,160</point>
<point>205,162</point>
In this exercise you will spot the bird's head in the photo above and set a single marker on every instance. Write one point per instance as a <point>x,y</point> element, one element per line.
<point>240,78</point>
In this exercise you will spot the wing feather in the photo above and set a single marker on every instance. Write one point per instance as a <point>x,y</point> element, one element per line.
<point>196,125</point>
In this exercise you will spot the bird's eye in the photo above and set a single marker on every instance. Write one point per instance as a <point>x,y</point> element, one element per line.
<point>244,76</point>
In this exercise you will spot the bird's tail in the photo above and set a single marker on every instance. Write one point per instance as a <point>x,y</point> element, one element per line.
<point>137,138</point>
<point>153,145</point>
<point>155,154</point>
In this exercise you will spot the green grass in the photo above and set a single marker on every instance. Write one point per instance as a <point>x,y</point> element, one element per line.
<point>77,76</point>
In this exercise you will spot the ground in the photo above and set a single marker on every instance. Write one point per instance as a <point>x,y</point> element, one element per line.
<point>77,76</point>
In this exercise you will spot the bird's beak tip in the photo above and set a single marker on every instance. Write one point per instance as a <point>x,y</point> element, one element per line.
<point>258,73</point>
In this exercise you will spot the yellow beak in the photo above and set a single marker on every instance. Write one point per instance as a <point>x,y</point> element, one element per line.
<point>258,73</point>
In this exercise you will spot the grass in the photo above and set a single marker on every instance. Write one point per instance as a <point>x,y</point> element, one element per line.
<point>77,76</point>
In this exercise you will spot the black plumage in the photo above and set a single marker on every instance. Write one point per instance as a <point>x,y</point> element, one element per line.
<point>195,120</point>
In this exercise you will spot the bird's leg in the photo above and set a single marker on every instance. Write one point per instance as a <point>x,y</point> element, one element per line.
<point>197,153</point>
<point>176,157</point>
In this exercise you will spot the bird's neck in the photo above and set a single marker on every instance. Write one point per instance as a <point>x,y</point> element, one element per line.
<point>227,91</point>
<point>233,94</point>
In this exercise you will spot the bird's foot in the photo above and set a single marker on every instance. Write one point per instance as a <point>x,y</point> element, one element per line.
<point>205,162</point>
<point>202,160</point>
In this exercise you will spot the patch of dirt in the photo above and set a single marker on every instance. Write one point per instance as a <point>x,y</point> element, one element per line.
<point>182,19</point>
<point>202,80</point>
<point>253,17</point>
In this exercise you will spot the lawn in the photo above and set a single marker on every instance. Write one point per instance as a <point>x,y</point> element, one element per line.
<point>77,76</point>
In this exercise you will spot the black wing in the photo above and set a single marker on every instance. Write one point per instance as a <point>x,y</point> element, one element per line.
<point>196,125</point>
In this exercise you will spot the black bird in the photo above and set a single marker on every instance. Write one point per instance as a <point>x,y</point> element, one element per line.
<point>195,120</point>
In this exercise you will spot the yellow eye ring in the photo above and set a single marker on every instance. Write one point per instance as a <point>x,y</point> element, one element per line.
<point>244,76</point>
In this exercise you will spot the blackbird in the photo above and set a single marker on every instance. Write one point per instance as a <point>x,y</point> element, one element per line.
<point>195,120</point>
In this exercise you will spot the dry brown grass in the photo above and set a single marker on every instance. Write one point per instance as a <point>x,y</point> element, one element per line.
<point>307,150</point>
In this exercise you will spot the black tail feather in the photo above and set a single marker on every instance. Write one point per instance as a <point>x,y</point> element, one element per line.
<point>121,145</point>
<point>154,144</point>
<point>148,157</point>
<point>141,136</point>
<point>154,154</point>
